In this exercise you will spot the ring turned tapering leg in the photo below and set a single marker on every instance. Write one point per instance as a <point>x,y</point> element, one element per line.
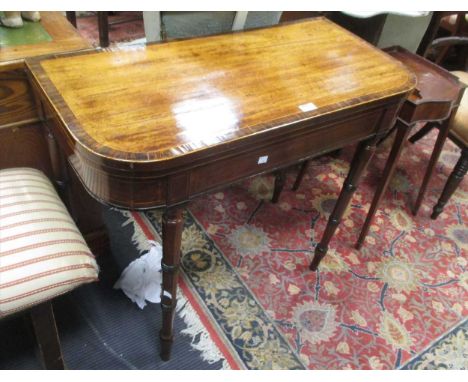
<point>172,236</point>
<point>361,158</point>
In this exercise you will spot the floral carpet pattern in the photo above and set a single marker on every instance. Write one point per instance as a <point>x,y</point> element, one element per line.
<point>449,353</point>
<point>377,308</point>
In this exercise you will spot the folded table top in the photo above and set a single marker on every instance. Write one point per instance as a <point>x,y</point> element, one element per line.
<point>167,100</point>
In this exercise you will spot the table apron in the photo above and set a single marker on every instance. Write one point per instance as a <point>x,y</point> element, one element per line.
<point>145,190</point>
<point>288,151</point>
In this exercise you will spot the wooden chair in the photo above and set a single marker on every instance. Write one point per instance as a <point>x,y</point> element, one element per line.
<point>42,255</point>
<point>443,24</point>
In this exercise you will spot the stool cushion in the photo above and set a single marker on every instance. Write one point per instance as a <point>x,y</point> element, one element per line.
<point>42,253</point>
<point>459,127</point>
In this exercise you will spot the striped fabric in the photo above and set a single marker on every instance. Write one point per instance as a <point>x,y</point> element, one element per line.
<point>42,253</point>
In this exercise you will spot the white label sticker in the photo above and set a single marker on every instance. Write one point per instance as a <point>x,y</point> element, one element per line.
<point>307,107</point>
<point>263,159</point>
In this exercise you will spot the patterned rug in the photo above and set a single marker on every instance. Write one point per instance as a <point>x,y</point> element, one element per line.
<point>400,302</point>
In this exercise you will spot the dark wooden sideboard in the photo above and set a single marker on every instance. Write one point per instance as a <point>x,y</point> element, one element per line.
<point>156,126</point>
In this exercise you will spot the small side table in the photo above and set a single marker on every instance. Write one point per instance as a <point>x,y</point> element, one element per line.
<point>435,101</point>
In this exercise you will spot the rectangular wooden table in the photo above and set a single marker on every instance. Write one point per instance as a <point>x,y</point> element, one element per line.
<point>156,126</point>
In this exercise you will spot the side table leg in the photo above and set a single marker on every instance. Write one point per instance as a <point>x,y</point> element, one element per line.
<point>453,181</point>
<point>361,158</point>
<point>443,133</point>
<point>172,226</point>
<point>392,160</point>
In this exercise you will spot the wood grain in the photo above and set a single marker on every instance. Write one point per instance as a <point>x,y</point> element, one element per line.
<point>24,146</point>
<point>16,100</point>
<point>168,100</point>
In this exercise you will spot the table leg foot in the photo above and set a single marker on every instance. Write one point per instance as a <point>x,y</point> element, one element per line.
<point>319,254</point>
<point>166,347</point>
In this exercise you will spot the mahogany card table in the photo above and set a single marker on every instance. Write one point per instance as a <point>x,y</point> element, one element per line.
<point>156,126</point>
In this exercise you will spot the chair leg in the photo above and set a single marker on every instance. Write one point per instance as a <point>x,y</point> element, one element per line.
<point>364,152</point>
<point>45,329</point>
<point>453,181</point>
<point>422,132</point>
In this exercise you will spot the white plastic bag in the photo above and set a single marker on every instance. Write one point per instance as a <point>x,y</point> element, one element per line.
<point>141,280</point>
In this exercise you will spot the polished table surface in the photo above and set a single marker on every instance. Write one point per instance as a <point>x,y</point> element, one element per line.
<point>163,101</point>
<point>158,125</point>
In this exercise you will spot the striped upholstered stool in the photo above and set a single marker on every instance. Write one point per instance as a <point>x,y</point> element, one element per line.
<point>42,254</point>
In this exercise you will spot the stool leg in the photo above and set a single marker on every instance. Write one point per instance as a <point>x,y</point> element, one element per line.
<point>390,166</point>
<point>45,329</point>
<point>173,223</point>
<point>453,181</point>
<point>363,154</point>
<point>299,177</point>
<point>280,178</point>
<point>443,133</point>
